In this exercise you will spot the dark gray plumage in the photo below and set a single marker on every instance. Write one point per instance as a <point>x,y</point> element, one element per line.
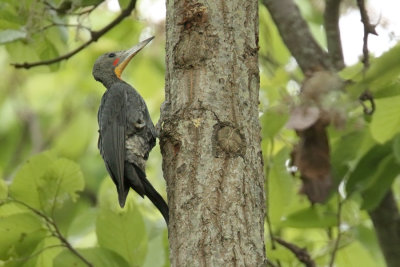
<point>126,132</point>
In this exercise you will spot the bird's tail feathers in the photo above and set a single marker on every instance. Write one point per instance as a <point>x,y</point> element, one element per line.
<point>138,181</point>
<point>122,196</point>
<point>156,198</point>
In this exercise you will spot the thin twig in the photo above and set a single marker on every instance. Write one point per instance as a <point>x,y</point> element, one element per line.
<point>368,29</point>
<point>69,246</point>
<point>53,227</point>
<point>301,253</point>
<point>54,24</point>
<point>95,35</point>
<point>339,223</point>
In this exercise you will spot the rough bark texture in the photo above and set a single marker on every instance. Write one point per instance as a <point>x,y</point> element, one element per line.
<point>210,138</point>
<point>386,219</point>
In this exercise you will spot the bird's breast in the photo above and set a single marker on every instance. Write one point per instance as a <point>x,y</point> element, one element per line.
<point>137,150</point>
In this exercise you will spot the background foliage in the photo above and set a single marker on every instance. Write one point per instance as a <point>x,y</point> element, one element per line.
<point>58,208</point>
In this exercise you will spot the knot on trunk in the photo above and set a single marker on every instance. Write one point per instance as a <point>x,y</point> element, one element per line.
<point>227,140</point>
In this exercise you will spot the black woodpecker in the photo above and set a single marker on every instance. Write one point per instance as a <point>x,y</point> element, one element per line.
<point>126,132</point>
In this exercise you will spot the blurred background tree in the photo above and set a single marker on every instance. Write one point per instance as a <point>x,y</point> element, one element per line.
<point>58,208</point>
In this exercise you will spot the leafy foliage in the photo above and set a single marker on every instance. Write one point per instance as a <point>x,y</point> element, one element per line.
<point>364,156</point>
<point>121,231</point>
<point>55,200</point>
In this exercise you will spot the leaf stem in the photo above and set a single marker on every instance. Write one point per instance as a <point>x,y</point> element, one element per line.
<point>53,227</point>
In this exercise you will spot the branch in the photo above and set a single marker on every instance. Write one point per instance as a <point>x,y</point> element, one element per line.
<point>332,31</point>
<point>53,227</point>
<point>301,253</point>
<point>54,24</point>
<point>368,29</point>
<point>297,36</point>
<point>386,220</point>
<point>95,35</point>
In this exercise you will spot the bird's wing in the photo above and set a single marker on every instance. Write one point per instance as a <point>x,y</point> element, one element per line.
<point>139,122</point>
<point>112,121</point>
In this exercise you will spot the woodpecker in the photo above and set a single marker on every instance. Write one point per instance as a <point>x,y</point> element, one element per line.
<point>126,132</point>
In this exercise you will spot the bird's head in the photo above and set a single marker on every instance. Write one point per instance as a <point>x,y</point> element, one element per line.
<point>109,66</point>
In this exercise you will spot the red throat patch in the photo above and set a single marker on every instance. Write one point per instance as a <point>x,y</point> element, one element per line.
<point>115,61</point>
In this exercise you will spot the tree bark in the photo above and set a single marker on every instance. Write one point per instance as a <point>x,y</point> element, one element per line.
<point>297,36</point>
<point>210,138</point>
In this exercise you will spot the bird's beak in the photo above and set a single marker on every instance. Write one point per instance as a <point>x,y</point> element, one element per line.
<point>127,55</point>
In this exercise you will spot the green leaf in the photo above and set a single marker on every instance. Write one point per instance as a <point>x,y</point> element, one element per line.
<point>272,122</point>
<point>367,237</point>
<point>281,186</point>
<point>166,248</point>
<point>8,36</point>
<point>84,223</point>
<point>121,230</point>
<point>156,245</point>
<point>384,69</point>
<point>344,151</point>
<point>363,174</point>
<point>123,3</point>
<point>9,16</point>
<point>312,217</point>
<point>24,186</point>
<point>3,190</point>
<point>271,44</point>
<point>353,72</point>
<point>46,182</point>
<point>281,254</point>
<point>380,182</point>
<point>72,142</point>
<point>396,148</point>
<point>354,255</point>
<point>90,2</point>
<point>46,251</point>
<point>20,52</point>
<point>19,233</point>
<point>47,50</point>
<point>390,90</point>
<point>11,208</point>
<point>98,257</point>
<point>386,120</point>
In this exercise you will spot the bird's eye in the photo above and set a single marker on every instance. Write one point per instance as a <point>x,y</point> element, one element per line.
<point>111,55</point>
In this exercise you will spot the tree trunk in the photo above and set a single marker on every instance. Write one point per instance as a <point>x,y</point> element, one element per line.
<point>210,138</point>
